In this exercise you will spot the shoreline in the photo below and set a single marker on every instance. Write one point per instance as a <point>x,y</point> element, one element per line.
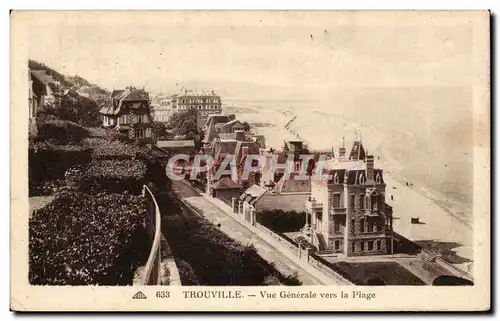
<point>441,223</point>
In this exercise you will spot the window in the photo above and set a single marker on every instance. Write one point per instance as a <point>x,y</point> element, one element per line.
<point>370,225</point>
<point>336,179</point>
<point>370,245</point>
<point>353,226</point>
<point>336,226</point>
<point>140,133</point>
<point>353,247</point>
<point>377,245</point>
<point>353,201</point>
<point>336,200</point>
<point>374,202</point>
<point>362,225</point>
<point>374,226</point>
<point>361,179</point>
<point>361,201</point>
<point>362,246</point>
<point>378,179</point>
<point>337,245</point>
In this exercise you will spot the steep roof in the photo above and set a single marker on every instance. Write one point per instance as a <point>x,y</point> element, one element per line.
<point>215,119</point>
<point>231,123</point>
<point>357,151</point>
<point>223,148</point>
<point>226,183</point>
<point>293,185</point>
<point>253,149</point>
<point>39,75</point>
<point>136,95</point>
<point>253,194</point>
<point>116,92</point>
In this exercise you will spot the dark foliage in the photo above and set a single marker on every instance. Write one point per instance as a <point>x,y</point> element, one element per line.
<point>215,258</point>
<point>81,239</point>
<point>372,273</point>
<point>61,132</point>
<point>246,126</point>
<point>48,163</point>
<point>183,125</point>
<point>114,176</point>
<point>281,221</point>
<point>79,109</point>
<point>186,272</point>
<point>159,130</point>
<point>35,65</point>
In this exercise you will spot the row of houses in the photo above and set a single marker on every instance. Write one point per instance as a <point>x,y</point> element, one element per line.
<point>345,214</point>
<point>204,103</point>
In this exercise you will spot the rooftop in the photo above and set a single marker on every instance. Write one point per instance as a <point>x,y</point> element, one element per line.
<point>174,143</point>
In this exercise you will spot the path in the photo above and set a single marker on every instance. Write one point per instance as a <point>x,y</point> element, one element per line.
<point>239,232</point>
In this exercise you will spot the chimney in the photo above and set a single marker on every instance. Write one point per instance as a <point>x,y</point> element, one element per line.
<point>244,151</point>
<point>370,169</point>
<point>342,150</point>
<point>240,135</point>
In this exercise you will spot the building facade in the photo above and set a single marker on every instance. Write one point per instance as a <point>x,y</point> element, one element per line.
<point>129,112</point>
<point>204,103</point>
<point>347,214</point>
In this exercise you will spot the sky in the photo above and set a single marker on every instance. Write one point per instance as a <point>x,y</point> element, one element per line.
<point>311,52</point>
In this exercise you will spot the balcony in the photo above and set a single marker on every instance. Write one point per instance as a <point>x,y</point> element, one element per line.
<point>338,211</point>
<point>372,212</point>
<point>313,205</point>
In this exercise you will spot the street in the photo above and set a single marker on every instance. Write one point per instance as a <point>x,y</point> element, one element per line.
<point>238,232</point>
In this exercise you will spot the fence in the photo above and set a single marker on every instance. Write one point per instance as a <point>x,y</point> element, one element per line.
<point>429,256</point>
<point>152,271</point>
<point>310,258</point>
<point>280,238</point>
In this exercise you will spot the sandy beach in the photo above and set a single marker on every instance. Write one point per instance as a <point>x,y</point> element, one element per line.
<point>445,221</point>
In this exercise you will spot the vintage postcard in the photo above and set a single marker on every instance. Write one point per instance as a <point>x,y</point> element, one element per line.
<point>250,161</point>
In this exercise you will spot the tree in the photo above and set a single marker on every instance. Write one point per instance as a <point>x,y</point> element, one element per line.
<point>246,126</point>
<point>159,129</point>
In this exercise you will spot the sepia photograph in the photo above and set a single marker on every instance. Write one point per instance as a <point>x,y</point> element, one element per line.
<point>299,155</point>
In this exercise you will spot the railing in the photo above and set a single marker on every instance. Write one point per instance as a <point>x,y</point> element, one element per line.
<point>152,273</point>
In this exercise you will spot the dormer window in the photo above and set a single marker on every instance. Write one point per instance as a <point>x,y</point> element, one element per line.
<point>361,179</point>
<point>378,178</point>
<point>336,179</point>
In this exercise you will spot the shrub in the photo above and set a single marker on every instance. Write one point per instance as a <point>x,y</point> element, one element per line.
<point>103,148</point>
<point>80,239</point>
<point>215,258</point>
<point>281,221</point>
<point>61,132</point>
<point>113,135</point>
<point>186,273</point>
<point>114,176</point>
<point>49,162</point>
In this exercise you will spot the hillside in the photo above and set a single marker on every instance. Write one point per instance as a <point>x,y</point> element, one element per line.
<point>75,98</point>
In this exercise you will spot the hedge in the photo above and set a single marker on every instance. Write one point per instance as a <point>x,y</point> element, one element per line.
<point>281,221</point>
<point>81,239</point>
<point>114,176</point>
<point>111,149</point>
<point>49,162</point>
<point>61,132</point>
